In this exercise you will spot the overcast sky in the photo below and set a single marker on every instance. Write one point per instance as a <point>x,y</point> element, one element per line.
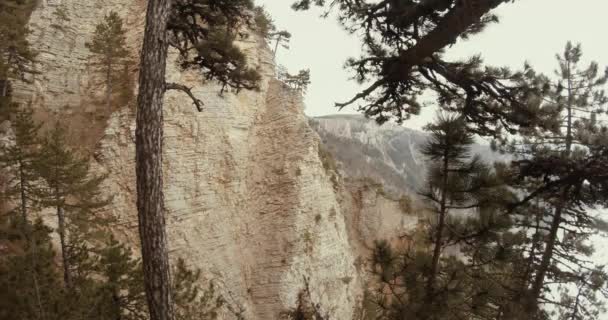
<point>530,30</point>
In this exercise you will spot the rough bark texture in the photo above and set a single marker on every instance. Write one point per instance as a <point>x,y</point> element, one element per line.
<point>23,198</point>
<point>539,281</point>
<point>109,86</point>
<point>439,231</point>
<point>67,277</point>
<point>3,88</point>
<point>149,136</point>
<point>456,22</point>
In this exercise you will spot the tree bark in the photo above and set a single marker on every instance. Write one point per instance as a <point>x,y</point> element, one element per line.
<point>430,287</point>
<point>4,88</point>
<point>149,135</point>
<point>453,24</point>
<point>109,87</point>
<point>548,253</point>
<point>67,275</point>
<point>23,200</point>
<point>539,280</point>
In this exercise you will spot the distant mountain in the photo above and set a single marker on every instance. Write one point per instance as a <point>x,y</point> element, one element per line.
<point>389,154</point>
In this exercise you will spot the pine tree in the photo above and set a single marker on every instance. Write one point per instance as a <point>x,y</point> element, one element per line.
<point>280,38</point>
<point>29,283</point>
<point>203,32</point>
<point>71,191</point>
<point>298,82</point>
<point>20,161</point>
<point>403,56</point>
<point>467,198</point>
<point>110,51</point>
<point>263,21</point>
<point>121,290</point>
<point>568,171</point>
<point>16,56</point>
<point>194,302</point>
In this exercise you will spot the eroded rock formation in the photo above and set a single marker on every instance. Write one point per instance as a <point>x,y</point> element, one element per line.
<point>248,197</point>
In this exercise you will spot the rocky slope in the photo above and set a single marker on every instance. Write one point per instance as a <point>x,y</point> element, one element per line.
<point>388,154</point>
<point>248,197</point>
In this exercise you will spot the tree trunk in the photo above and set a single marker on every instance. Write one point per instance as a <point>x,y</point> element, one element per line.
<point>569,108</point>
<point>31,243</point>
<point>276,46</point>
<point>148,146</point>
<point>430,287</point>
<point>23,200</point>
<point>67,275</point>
<point>539,280</point>
<point>109,87</point>
<point>452,25</point>
<point>3,88</point>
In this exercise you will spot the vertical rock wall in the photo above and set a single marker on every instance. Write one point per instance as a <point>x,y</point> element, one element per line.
<point>247,198</point>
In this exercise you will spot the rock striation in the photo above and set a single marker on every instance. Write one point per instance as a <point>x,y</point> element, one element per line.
<point>248,198</point>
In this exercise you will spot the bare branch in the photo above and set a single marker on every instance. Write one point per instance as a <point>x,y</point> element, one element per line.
<point>180,87</point>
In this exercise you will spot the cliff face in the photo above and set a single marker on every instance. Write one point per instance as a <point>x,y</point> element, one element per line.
<point>388,154</point>
<point>247,197</point>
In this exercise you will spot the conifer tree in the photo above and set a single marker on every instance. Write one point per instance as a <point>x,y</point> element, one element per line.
<point>280,38</point>
<point>403,56</point>
<point>29,283</point>
<point>203,32</point>
<point>194,301</point>
<point>269,31</point>
<point>71,191</point>
<point>16,56</point>
<point>263,21</point>
<point>121,291</point>
<point>20,161</point>
<point>466,197</point>
<point>568,169</point>
<point>110,51</point>
<point>299,81</point>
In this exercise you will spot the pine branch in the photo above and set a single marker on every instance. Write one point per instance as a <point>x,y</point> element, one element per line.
<point>180,87</point>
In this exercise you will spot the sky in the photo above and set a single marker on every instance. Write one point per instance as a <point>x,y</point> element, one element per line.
<point>529,30</point>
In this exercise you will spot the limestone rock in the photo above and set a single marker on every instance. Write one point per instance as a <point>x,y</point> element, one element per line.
<point>247,197</point>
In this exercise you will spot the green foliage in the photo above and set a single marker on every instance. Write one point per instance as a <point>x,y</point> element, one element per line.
<point>121,292</point>
<point>29,282</point>
<point>298,82</point>
<point>402,293</point>
<point>204,32</point>
<point>74,194</point>
<point>109,41</point>
<point>263,21</point>
<point>561,174</point>
<point>15,53</point>
<point>16,56</point>
<point>404,44</point>
<point>109,286</point>
<point>69,184</point>
<point>192,302</point>
<point>110,54</point>
<point>424,280</point>
<point>19,160</point>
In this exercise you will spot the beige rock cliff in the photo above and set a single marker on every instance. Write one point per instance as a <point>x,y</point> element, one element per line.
<point>247,197</point>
